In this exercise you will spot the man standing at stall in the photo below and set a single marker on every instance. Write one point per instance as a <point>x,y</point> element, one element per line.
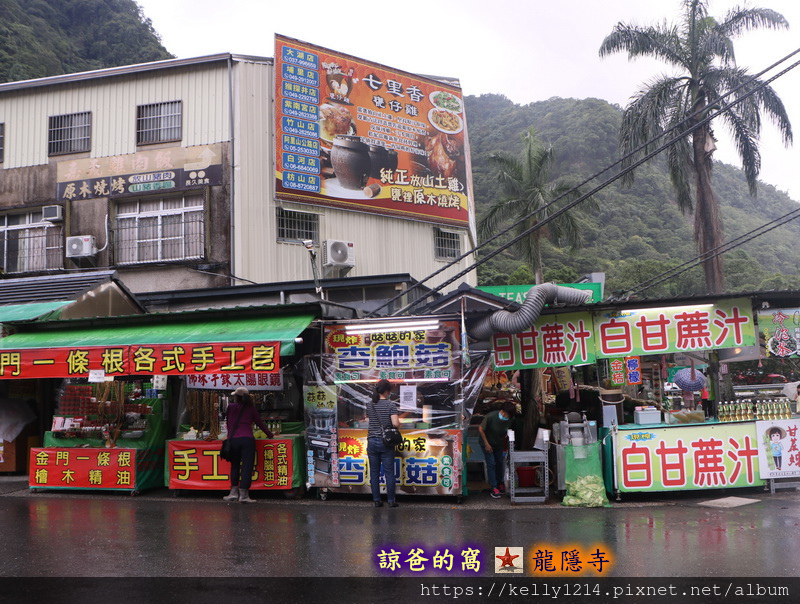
<point>494,431</point>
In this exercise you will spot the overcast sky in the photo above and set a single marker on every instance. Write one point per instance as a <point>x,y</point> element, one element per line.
<point>527,50</point>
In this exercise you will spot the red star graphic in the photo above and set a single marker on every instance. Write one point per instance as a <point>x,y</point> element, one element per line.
<point>507,560</point>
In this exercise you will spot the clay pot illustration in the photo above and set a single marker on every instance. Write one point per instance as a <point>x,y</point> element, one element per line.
<point>379,158</point>
<point>392,155</point>
<point>350,161</point>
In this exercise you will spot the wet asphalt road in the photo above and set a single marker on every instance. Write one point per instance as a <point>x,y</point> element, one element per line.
<point>85,534</point>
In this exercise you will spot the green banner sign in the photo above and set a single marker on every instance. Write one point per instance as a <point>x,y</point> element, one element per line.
<point>518,293</point>
<point>553,340</point>
<point>781,330</point>
<point>725,324</point>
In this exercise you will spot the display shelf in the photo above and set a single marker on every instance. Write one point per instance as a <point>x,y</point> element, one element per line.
<point>527,458</point>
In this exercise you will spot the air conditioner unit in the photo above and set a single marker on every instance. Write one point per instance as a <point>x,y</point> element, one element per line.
<point>80,246</point>
<point>338,253</point>
<point>52,213</point>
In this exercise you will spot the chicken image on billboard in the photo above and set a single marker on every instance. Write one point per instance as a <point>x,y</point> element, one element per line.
<point>361,136</point>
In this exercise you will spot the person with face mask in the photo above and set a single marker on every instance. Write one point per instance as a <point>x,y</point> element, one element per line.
<point>493,430</point>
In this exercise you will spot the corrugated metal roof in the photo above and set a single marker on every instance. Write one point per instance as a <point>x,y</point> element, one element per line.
<point>83,76</point>
<point>51,288</point>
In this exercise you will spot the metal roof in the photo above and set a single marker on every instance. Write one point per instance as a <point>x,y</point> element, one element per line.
<point>84,76</point>
<point>54,288</point>
<point>237,293</point>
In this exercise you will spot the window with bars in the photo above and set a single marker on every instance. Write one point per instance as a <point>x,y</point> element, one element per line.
<point>27,244</point>
<point>158,123</point>
<point>2,142</point>
<point>447,245</point>
<point>159,230</point>
<point>294,226</point>
<point>71,133</point>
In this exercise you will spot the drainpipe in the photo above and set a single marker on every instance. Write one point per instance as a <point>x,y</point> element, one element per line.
<point>504,321</point>
<point>232,181</point>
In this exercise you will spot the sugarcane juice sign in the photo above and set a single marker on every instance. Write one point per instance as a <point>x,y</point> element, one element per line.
<point>566,339</point>
<point>166,359</point>
<point>778,451</point>
<point>361,136</point>
<point>425,463</point>
<point>725,324</point>
<point>400,354</point>
<point>698,457</point>
<point>781,330</point>
<point>83,467</point>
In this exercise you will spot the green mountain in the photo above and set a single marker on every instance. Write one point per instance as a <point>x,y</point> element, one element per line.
<point>40,38</point>
<point>638,232</point>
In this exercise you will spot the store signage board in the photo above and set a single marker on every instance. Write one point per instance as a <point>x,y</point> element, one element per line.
<point>168,170</point>
<point>677,458</point>
<point>83,467</point>
<point>427,462</point>
<point>408,151</point>
<point>231,381</point>
<point>165,359</point>
<point>411,355</point>
<point>196,464</point>
<point>519,293</point>
<point>563,339</point>
<point>781,326</point>
<point>320,413</point>
<point>778,451</point>
<point>725,324</point>
<point>625,371</point>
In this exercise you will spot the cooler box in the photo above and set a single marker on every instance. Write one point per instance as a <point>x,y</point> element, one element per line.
<point>647,416</point>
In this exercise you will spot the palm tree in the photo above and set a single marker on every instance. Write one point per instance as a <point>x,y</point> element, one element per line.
<point>526,189</point>
<point>701,50</point>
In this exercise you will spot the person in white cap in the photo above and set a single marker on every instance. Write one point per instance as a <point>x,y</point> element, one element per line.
<point>242,414</point>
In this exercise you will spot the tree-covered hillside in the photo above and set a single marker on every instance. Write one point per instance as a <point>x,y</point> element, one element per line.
<point>637,232</point>
<point>40,38</point>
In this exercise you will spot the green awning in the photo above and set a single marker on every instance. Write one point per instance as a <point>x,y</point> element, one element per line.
<point>28,312</point>
<point>283,329</point>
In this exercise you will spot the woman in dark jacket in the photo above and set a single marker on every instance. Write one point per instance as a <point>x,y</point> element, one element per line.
<point>242,414</point>
<point>381,411</point>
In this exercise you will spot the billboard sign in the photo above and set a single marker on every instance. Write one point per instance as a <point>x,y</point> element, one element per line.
<point>357,135</point>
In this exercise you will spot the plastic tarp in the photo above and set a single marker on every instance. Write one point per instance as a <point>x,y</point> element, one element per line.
<point>283,329</point>
<point>28,312</point>
<point>584,477</point>
<point>14,416</point>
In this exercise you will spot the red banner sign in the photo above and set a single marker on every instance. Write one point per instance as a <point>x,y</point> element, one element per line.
<point>164,359</point>
<point>83,467</point>
<point>196,464</point>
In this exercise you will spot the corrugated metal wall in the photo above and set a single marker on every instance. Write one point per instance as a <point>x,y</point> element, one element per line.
<point>203,89</point>
<point>383,245</point>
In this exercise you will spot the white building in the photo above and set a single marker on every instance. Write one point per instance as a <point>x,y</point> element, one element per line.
<point>166,173</point>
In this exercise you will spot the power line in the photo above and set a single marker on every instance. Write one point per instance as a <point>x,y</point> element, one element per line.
<point>721,249</point>
<point>582,198</point>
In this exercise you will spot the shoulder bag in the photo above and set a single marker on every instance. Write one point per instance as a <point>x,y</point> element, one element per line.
<point>225,449</point>
<point>391,436</point>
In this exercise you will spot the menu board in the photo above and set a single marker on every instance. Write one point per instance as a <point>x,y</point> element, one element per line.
<point>357,135</point>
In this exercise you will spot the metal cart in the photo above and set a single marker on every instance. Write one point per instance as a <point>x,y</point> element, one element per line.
<point>535,494</point>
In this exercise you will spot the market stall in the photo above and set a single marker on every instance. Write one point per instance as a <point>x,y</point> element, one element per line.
<point>111,401</point>
<point>193,461</point>
<point>435,394</point>
<point>106,436</point>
